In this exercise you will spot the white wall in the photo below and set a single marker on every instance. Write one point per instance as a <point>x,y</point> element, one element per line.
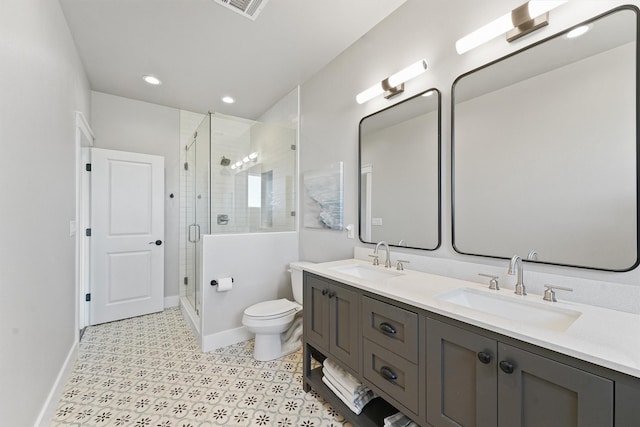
<point>129,125</point>
<point>260,274</point>
<point>330,115</point>
<point>42,83</point>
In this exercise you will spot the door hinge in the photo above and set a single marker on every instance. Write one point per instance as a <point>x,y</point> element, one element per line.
<point>87,297</point>
<point>87,232</point>
<point>186,280</point>
<point>87,167</point>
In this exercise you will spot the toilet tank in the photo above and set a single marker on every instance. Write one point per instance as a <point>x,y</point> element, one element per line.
<point>296,269</point>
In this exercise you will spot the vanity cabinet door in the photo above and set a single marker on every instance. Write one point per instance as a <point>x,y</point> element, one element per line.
<point>537,391</point>
<point>344,317</point>
<point>316,311</point>
<point>461,378</point>
<point>331,320</point>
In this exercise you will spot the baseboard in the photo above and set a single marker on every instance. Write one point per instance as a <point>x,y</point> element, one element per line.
<point>51,403</point>
<point>225,338</point>
<point>172,301</point>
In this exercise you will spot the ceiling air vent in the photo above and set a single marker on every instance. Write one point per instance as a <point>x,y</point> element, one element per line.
<point>247,8</point>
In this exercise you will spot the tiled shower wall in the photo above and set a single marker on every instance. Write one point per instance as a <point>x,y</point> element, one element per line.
<point>275,146</point>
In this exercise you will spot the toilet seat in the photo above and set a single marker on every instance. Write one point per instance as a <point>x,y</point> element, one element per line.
<point>272,309</point>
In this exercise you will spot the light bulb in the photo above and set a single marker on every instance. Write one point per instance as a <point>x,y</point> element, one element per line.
<point>370,93</point>
<point>408,73</point>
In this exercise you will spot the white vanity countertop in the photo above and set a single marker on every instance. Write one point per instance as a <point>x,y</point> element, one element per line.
<point>601,336</point>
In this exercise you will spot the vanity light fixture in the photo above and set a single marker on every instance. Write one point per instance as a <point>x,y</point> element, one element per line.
<point>152,80</point>
<point>519,22</point>
<point>394,84</point>
<point>253,157</point>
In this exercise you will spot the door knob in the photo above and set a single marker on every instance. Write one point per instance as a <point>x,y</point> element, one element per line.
<point>157,242</point>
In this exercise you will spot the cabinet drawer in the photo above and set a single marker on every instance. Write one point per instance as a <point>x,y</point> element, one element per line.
<point>391,373</point>
<point>391,327</point>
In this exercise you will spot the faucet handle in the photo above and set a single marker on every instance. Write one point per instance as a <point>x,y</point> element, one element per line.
<point>549,293</point>
<point>375,259</point>
<point>493,283</point>
<point>400,264</point>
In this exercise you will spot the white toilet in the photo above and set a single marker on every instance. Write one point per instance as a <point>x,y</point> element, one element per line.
<point>278,330</point>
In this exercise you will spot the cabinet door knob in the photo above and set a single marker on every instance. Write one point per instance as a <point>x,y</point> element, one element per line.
<point>484,357</point>
<point>507,367</point>
<point>325,291</point>
<point>388,374</point>
<point>387,328</point>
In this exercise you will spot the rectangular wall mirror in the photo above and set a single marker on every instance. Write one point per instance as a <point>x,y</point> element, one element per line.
<point>399,154</point>
<point>545,150</point>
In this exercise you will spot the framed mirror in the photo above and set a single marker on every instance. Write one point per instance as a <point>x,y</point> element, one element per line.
<point>545,150</point>
<point>399,156</point>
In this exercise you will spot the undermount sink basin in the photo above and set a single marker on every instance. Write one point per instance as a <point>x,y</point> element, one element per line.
<point>365,272</point>
<point>528,312</point>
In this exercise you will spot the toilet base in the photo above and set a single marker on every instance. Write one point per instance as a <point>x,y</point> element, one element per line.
<point>273,346</point>
<point>270,347</point>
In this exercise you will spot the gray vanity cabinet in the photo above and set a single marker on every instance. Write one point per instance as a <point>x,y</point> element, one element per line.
<point>390,353</point>
<point>331,318</point>
<point>462,388</point>
<point>473,380</point>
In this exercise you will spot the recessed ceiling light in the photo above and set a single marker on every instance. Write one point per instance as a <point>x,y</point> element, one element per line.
<point>228,100</point>
<point>152,80</point>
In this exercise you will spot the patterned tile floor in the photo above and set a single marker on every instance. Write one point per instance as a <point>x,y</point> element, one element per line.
<point>149,371</point>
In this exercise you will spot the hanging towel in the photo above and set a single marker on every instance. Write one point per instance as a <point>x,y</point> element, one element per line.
<point>346,379</point>
<point>358,398</point>
<point>350,405</point>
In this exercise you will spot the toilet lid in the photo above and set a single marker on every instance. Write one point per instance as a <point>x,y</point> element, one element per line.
<point>270,309</point>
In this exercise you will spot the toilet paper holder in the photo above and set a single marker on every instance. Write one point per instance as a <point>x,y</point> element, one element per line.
<point>214,282</point>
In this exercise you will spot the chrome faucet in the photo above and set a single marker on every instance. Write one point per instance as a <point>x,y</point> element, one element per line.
<point>516,264</point>
<point>387,263</point>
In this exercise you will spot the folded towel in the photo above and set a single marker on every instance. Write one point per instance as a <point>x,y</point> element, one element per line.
<point>358,398</point>
<point>346,379</point>
<point>350,405</point>
<point>399,420</point>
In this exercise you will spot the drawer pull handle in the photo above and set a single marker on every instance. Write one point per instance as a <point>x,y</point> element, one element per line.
<point>387,328</point>
<point>332,294</point>
<point>484,357</point>
<point>388,374</point>
<point>507,367</point>
<point>325,291</point>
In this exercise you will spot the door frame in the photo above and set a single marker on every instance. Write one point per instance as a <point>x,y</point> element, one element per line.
<point>84,139</point>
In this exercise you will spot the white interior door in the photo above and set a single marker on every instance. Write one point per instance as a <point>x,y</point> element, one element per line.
<point>127,235</point>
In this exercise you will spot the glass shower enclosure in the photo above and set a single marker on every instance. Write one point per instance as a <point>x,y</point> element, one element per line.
<point>238,177</point>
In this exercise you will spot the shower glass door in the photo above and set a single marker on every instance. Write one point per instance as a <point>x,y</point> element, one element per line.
<point>198,208</point>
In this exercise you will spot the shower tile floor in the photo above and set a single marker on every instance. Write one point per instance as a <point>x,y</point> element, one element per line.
<point>149,371</point>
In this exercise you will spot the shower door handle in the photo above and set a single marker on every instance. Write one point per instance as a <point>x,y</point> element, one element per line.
<point>190,233</point>
<point>195,227</point>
